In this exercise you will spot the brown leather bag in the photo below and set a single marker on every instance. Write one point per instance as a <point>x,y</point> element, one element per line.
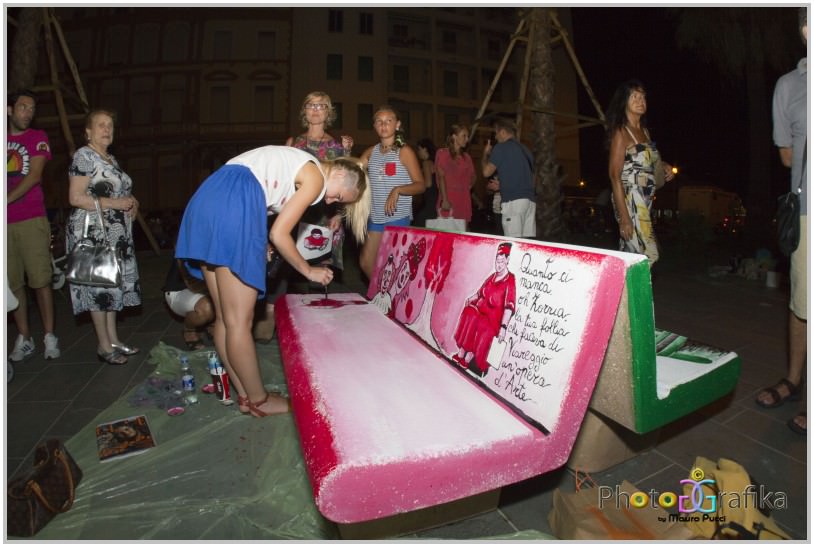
<point>48,489</point>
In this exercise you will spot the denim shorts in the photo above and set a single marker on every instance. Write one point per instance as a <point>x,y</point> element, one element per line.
<point>375,227</point>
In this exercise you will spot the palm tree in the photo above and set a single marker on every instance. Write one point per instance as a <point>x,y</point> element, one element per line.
<point>747,45</point>
<point>24,49</point>
<point>548,175</point>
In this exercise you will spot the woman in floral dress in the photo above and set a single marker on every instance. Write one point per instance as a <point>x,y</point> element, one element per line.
<point>631,166</point>
<point>94,172</point>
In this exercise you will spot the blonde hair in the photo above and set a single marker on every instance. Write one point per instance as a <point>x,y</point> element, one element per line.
<point>454,130</point>
<point>314,95</point>
<point>356,213</point>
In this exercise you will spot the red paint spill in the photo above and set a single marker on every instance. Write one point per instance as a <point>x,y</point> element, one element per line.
<point>331,303</point>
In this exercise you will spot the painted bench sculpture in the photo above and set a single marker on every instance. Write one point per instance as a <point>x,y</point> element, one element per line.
<point>470,367</point>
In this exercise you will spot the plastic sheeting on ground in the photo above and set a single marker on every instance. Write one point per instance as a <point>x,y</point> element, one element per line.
<point>215,474</point>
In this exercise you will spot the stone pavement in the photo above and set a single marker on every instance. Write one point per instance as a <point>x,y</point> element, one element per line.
<point>57,398</point>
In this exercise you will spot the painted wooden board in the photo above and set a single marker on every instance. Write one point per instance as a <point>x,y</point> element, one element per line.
<point>456,291</point>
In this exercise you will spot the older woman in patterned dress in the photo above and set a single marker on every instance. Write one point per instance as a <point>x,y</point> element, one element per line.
<point>94,172</point>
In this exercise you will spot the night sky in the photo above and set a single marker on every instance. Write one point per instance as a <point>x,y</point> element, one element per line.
<point>697,120</point>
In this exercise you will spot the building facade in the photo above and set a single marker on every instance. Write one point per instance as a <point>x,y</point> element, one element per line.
<point>192,87</point>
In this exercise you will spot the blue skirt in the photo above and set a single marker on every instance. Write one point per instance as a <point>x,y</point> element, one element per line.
<point>224,224</point>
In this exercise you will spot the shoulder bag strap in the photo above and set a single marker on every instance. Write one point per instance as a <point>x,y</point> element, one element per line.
<point>803,167</point>
<point>632,136</point>
<point>101,220</point>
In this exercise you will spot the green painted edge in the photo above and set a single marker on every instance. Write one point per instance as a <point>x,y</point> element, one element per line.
<point>650,412</point>
<point>691,396</point>
<point>642,339</point>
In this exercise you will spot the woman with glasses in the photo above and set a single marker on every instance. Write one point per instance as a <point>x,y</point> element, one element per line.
<point>317,114</point>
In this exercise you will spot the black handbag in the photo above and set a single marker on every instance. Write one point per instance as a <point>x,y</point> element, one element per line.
<point>48,489</point>
<point>788,216</point>
<point>91,263</point>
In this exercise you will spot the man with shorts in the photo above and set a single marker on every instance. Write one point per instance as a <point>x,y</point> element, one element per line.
<point>514,164</point>
<point>188,298</point>
<point>28,233</point>
<point>790,135</point>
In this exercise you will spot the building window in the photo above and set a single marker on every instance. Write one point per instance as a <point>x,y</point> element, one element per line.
<point>449,41</point>
<point>398,35</point>
<point>220,99</point>
<point>266,45</point>
<point>172,98</point>
<point>142,94</point>
<point>365,69</point>
<point>451,119</point>
<point>493,49</point>
<point>338,123</point>
<point>334,20</point>
<point>450,83</point>
<point>334,71</point>
<point>176,42</point>
<point>401,78</point>
<point>364,116</point>
<point>264,103</point>
<point>145,48</point>
<point>118,45</point>
<point>222,45</point>
<point>113,96</point>
<point>365,23</point>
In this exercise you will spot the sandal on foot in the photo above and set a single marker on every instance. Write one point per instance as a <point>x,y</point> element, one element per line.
<point>193,345</point>
<point>254,408</point>
<point>777,399</point>
<point>124,349</point>
<point>112,357</point>
<point>243,404</point>
<point>797,428</point>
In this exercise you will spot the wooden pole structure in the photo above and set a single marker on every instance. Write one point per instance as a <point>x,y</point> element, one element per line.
<point>69,59</point>
<point>523,34</point>
<point>515,37</point>
<point>52,64</point>
<point>524,81</point>
<point>577,66</point>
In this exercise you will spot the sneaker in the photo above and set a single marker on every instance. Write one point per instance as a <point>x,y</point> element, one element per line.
<point>51,346</point>
<point>23,349</point>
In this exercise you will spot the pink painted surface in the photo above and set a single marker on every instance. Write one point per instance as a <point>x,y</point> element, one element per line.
<point>390,424</point>
<point>565,305</point>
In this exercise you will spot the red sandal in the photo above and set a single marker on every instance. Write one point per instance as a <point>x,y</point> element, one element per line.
<point>243,404</point>
<point>254,408</point>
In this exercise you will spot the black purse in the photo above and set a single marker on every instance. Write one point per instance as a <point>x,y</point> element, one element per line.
<point>788,216</point>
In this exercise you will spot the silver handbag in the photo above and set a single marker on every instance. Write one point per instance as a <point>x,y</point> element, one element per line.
<point>92,263</point>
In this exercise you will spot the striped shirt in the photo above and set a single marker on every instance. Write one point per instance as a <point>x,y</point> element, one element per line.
<point>386,172</point>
